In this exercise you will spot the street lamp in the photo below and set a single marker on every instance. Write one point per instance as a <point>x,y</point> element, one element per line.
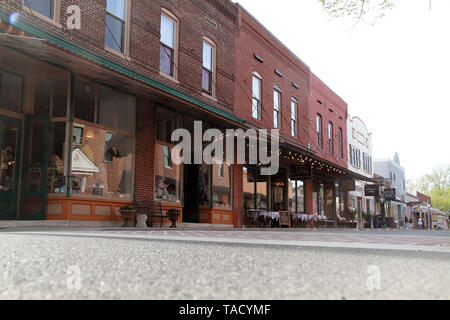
<point>383,212</point>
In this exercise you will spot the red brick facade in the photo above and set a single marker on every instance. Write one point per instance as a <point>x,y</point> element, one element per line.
<point>324,101</point>
<point>253,38</point>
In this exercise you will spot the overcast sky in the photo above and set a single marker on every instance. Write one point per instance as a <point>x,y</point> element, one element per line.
<point>394,75</point>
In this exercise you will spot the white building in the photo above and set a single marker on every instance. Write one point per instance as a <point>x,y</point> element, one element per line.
<point>360,161</point>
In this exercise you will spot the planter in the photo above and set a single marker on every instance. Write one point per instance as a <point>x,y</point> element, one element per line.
<point>173,215</point>
<point>126,216</point>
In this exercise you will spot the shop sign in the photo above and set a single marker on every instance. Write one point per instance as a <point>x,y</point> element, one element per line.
<point>371,190</point>
<point>300,173</point>
<point>347,185</point>
<point>389,194</point>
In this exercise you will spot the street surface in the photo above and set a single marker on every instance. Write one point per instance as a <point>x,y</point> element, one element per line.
<point>77,263</point>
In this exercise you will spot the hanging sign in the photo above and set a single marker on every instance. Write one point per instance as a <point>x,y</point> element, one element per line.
<point>371,190</point>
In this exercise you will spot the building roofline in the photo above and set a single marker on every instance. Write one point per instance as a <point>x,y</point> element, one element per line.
<point>237,4</point>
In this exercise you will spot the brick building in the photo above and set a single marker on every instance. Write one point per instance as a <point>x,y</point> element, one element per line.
<point>87,114</point>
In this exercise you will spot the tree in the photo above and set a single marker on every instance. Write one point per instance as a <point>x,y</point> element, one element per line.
<point>373,10</point>
<point>436,185</point>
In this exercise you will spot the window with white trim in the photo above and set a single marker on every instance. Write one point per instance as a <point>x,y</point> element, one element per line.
<point>276,109</point>
<point>294,117</point>
<point>47,8</point>
<point>319,130</point>
<point>330,138</point>
<point>168,44</point>
<point>208,71</point>
<point>116,25</point>
<point>256,96</point>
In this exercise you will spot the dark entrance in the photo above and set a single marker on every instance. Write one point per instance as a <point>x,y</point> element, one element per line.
<point>34,174</point>
<point>10,132</point>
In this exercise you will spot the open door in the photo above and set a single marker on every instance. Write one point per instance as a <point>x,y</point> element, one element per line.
<point>34,173</point>
<point>10,130</point>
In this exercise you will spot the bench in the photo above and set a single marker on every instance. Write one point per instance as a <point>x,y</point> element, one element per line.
<point>150,208</point>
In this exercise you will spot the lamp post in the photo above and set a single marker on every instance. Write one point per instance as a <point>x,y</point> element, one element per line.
<point>383,212</point>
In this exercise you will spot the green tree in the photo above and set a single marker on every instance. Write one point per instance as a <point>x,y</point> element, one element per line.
<point>436,185</point>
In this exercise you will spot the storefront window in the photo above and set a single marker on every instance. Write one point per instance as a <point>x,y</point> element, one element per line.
<point>296,196</point>
<point>50,95</point>
<point>168,175</point>
<point>222,185</point>
<point>330,202</point>
<point>84,101</point>
<point>205,186</point>
<point>102,154</point>
<point>56,178</point>
<point>11,91</point>
<point>95,174</point>
<point>255,189</point>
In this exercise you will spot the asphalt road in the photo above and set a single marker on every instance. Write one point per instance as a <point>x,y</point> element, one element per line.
<point>71,267</point>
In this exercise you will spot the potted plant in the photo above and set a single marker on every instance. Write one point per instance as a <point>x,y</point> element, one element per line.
<point>368,219</point>
<point>352,213</point>
<point>173,215</point>
<point>127,212</point>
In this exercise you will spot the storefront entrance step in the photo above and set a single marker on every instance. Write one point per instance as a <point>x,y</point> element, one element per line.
<point>59,223</point>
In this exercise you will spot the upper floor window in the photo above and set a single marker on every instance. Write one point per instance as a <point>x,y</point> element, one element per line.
<point>168,44</point>
<point>355,157</point>
<point>256,96</point>
<point>276,109</point>
<point>294,116</point>
<point>341,144</point>
<point>208,73</point>
<point>330,138</point>
<point>46,8</point>
<point>367,163</point>
<point>115,24</point>
<point>319,130</point>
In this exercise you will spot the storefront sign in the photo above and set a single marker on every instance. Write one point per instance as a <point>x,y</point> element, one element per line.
<point>371,190</point>
<point>347,185</point>
<point>389,194</point>
<point>300,173</point>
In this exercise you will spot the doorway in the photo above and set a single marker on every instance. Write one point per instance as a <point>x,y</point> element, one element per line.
<point>10,133</point>
<point>34,173</point>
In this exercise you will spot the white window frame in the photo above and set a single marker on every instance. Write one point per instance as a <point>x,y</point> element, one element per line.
<point>126,35</point>
<point>55,20</point>
<point>277,111</point>
<point>256,76</point>
<point>168,14</point>
<point>213,70</point>
<point>294,117</point>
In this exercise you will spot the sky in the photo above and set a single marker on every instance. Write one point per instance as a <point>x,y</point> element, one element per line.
<point>394,75</point>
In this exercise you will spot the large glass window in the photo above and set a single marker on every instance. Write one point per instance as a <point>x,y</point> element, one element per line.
<point>221,185</point>
<point>56,173</point>
<point>44,7</point>
<point>256,100</point>
<point>11,86</point>
<point>84,101</point>
<point>50,96</point>
<point>8,142</point>
<point>94,175</point>
<point>167,45</point>
<point>255,189</point>
<point>277,109</point>
<point>102,154</point>
<point>115,24</point>
<point>208,67</point>
<point>296,196</point>
<point>341,144</point>
<point>168,175</point>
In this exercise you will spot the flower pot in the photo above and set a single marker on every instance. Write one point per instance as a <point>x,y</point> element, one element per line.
<point>173,215</point>
<point>126,216</point>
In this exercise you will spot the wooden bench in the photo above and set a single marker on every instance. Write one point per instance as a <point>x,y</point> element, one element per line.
<point>152,209</point>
